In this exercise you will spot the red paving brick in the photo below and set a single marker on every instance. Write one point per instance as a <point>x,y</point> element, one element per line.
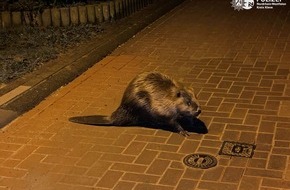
<point>238,63</point>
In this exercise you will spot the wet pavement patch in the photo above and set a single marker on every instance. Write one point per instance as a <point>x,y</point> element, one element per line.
<point>202,161</point>
<point>237,149</point>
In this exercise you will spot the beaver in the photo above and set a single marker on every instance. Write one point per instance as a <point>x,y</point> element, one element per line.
<point>151,99</point>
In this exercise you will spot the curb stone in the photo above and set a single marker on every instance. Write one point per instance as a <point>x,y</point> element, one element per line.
<point>51,77</point>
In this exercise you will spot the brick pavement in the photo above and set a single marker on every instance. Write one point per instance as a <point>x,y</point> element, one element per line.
<point>238,62</point>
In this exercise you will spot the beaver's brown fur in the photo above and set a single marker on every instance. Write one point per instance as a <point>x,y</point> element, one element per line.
<point>153,98</point>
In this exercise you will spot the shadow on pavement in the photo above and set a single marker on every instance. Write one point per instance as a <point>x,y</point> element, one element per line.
<point>191,125</point>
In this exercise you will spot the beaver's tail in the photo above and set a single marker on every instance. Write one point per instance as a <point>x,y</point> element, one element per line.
<point>98,120</point>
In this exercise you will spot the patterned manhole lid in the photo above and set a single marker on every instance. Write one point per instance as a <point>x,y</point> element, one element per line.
<point>237,149</point>
<point>203,161</point>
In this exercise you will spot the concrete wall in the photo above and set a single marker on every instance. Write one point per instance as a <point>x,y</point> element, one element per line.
<point>74,15</point>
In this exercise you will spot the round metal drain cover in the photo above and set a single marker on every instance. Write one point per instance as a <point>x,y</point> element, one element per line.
<point>203,161</point>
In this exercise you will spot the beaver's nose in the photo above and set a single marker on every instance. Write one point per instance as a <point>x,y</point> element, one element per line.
<point>198,111</point>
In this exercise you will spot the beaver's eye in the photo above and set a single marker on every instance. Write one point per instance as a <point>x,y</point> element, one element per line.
<point>189,103</point>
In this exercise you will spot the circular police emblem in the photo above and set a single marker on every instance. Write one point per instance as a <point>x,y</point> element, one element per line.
<point>248,4</point>
<point>242,4</point>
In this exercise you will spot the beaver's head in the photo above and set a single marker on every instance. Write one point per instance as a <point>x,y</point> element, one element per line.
<point>187,103</point>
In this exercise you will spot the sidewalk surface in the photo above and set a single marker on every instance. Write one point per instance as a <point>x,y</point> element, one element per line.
<point>237,61</point>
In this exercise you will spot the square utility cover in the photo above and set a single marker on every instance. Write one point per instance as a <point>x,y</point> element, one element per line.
<point>238,149</point>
